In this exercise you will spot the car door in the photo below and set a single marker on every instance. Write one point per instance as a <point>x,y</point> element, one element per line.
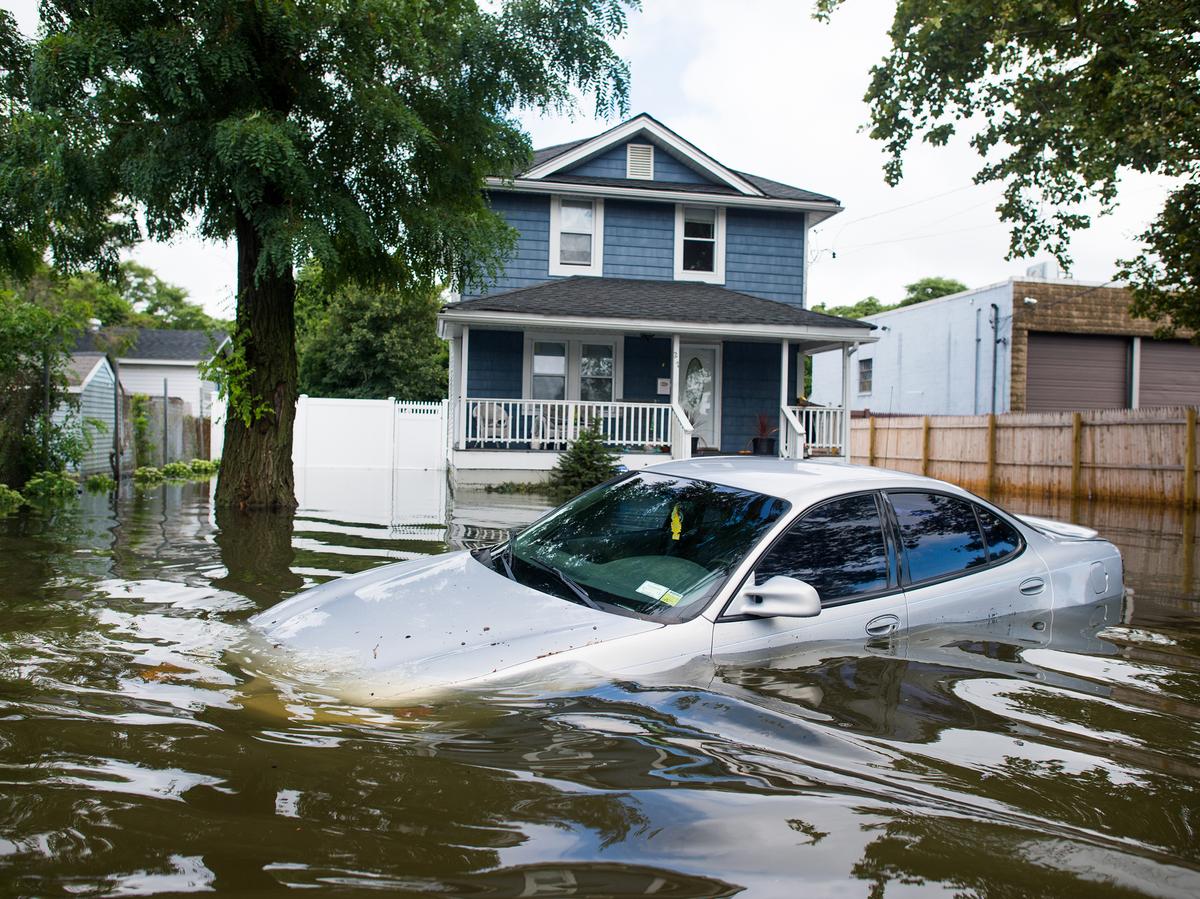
<point>963,562</point>
<point>842,548</point>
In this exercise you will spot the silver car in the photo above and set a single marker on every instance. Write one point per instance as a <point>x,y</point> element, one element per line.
<point>703,561</point>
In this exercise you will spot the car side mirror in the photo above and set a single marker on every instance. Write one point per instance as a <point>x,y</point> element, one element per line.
<point>779,597</point>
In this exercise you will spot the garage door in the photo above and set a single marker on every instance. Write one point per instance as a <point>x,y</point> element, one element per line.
<point>1068,372</point>
<point>1170,373</point>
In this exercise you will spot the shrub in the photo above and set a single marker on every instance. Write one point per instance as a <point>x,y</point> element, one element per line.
<point>177,471</point>
<point>10,500</point>
<point>147,474</point>
<point>586,463</point>
<point>142,450</point>
<point>99,483</point>
<point>50,486</point>
<point>204,467</point>
<point>534,488</point>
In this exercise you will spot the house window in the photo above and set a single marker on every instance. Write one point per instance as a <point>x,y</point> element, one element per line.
<point>576,236</point>
<point>596,372</point>
<point>549,370</point>
<point>699,244</point>
<point>865,370</point>
<point>639,161</point>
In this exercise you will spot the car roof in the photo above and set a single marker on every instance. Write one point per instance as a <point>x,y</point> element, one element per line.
<point>800,482</point>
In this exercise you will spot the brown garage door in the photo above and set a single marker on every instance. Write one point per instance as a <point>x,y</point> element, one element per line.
<point>1170,373</point>
<point>1068,372</point>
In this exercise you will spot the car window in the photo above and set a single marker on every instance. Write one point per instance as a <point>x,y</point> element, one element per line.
<point>1002,538</point>
<point>649,544</point>
<point>939,533</point>
<point>837,547</point>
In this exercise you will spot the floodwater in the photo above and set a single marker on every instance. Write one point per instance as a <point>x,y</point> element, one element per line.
<point>137,757</point>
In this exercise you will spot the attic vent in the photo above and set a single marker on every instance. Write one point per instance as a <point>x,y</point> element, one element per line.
<point>639,161</point>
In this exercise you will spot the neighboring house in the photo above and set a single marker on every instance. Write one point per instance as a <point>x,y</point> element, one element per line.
<point>147,357</point>
<point>1023,345</point>
<point>653,292</point>
<point>95,401</point>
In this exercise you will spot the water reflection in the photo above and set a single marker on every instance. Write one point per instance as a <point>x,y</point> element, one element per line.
<point>994,759</point>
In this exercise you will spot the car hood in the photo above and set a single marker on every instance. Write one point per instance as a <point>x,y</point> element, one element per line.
<point>439,621</point>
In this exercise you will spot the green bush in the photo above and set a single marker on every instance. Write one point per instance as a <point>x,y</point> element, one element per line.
<point>99,483</point>
<point>586,463</point>
<point>177,471</point>
<point>50,486</point>
<point>142,450</point>
<point>204,467</point>
<point>534,488</point>
<point>10,500</point>
<point>147,474</point>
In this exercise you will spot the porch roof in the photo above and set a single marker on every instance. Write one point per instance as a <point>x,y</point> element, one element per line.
<point>660,306</point>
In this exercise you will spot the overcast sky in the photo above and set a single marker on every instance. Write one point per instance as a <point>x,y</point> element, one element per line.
<point>765,89</point>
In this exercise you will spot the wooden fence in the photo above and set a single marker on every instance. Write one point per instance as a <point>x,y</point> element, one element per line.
<point>1144,455</point>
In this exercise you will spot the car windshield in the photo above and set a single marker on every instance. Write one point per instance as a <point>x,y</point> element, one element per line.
<point>649,544</point>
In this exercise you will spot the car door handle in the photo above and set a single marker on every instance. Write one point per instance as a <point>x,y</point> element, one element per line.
<point>883,625</point>
<point>1032,586</point>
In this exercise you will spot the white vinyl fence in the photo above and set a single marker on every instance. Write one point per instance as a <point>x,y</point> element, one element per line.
<point>377,434</point>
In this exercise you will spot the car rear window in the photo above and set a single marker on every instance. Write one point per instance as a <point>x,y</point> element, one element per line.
<point>1002,538</point>
<point>939,534</point>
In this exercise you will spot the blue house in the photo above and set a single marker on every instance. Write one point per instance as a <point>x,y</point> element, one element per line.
<point>654,293</point>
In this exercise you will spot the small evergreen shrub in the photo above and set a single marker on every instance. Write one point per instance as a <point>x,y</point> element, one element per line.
<point>99,483</point>
<point>50,486</point>
<point>586,463</point>
<point>147,474</point>
<point>10,500</point>
<point>204,467</point>
<point>535,488</point>
<point>177,471</point>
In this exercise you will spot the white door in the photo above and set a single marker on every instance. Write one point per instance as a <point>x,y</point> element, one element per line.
<point>840,548</point>
<point>698,386</point>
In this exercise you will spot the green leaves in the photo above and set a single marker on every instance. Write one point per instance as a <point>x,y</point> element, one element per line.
<point>1061,98</point>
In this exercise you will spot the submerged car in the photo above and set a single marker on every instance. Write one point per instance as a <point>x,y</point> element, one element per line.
<point>704,560</point>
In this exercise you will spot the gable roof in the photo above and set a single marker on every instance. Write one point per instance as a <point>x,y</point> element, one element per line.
<point>550,163</point>
<point>155,343</point>
<point>650,300</point>
<point>82,367</point>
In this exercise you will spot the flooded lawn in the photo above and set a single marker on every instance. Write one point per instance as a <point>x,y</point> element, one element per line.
<point>138,757</point>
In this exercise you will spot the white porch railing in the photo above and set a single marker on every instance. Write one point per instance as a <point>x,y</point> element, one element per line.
<point>824,429</point>
<point>552,424</point>
<point>813,430</point>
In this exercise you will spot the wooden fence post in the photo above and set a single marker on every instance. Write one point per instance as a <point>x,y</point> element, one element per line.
<point>925,447</point>
<point>991,456</point>
<point>1189,462</point>
<point>1076,455</point>
<point>871,440</point>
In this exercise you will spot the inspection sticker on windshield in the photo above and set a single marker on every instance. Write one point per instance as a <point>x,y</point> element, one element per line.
<point>651,589</point>
<point>670,598</point>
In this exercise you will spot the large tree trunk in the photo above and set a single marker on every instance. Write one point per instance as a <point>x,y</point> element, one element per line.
<point>256,463</point>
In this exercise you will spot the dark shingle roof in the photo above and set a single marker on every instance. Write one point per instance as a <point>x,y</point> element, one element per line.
<point>667,301</point>
<point>151,343</point>
<point>547,153</point>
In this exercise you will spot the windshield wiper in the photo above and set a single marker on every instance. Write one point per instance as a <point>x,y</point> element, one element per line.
<point>583,595</point>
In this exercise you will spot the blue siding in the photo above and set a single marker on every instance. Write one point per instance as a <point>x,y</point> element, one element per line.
<point>529,263</point>
<point>611,164</point>
<point>764,254</point>
<point>495,364</point>
<point>639,239</point>
<point>646,360</point>
<point>750,386</point>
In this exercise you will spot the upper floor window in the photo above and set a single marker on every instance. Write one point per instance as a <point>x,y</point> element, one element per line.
<point>699,244</point>
<point>866,368</point>
<point>576,236</point>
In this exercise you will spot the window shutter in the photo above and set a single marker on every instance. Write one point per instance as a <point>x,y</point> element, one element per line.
<point>639,161</point>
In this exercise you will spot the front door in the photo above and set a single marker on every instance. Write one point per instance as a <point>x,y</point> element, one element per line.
<point>698,393</point>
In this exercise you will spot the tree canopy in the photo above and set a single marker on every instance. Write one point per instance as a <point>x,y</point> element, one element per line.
<point>369,344</point>
<point>920,290</point>
<point>1062,98</point>
<point>357,133</point>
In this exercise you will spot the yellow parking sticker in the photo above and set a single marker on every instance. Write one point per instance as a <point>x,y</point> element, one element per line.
<point>670,598</point>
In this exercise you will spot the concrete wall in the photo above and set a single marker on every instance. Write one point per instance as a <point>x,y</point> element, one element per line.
<point>932,358</point>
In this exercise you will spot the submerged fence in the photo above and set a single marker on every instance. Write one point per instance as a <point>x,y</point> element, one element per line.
<point>1144,455</point>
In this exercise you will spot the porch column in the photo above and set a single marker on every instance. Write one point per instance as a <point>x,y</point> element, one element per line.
<point>453,391</point>
<point>786,451</point>
<point>461,415</point>
<point>846,351</point>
